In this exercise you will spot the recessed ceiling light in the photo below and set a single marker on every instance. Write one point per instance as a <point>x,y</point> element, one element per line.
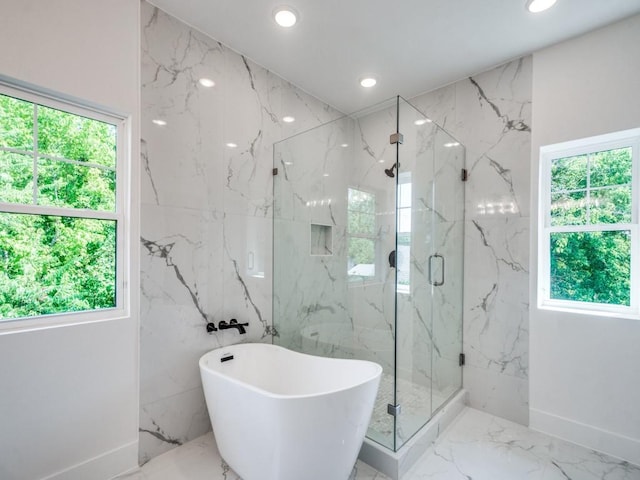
<point>451,144</point>
<point>325,174</point>
<point>422,121</point>
<point>288,119</point>
<point>157,121</point>
<point>536,6</point>
<point>232,145</point>
<point>381,160</point>
<point>368,82</point>
<point>206,82</point>
<point>285,16</point>
<point>344,145</point>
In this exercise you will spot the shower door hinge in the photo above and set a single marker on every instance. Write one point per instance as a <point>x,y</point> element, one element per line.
<point>393,410</point>
<point>275,171</point>
<point>461,359</point>
<point>464,176</point>
<point>396,138</point>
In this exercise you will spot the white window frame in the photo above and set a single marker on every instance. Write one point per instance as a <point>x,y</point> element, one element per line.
<point>359,280</point>
<point>120,215</point>
<point>611,141</point>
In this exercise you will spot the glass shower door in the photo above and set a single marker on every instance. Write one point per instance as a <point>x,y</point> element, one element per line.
<point>429,237</point>
<point>448,254</point>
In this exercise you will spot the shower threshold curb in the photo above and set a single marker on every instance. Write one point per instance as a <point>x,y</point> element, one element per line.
<point>396,464</point>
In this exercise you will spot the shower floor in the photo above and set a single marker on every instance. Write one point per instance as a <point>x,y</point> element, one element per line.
<point>417,402</point>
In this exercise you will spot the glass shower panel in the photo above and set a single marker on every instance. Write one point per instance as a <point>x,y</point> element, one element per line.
<point>367,256</point>
<point>334,227</point>
<point>311,174</point>
<point>371,299</point>
<point>414,245</point>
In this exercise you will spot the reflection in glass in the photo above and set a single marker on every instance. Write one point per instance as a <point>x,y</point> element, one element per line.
<point>361,228</point>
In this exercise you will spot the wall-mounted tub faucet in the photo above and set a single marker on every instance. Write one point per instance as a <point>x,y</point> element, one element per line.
<point>211,327</point>
<point>233,323</point>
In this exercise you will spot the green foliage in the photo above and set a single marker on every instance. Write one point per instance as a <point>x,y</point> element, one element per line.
<point>16,123</point>
<point>591,266</point>
<point>361,227</point>
<point>54,264</point>
<point>64,135</point>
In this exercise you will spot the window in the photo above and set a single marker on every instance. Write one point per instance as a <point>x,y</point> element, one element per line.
<point>588,232</point>
<point>361,231</point>
<point>61,207</point>
<point>403,256</point>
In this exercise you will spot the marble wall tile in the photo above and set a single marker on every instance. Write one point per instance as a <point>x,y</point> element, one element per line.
<point>207,223</point>
<point>206,212</point>
<point>171,422</point>
<point>493,112</point>
<point>173,59</point>
<point>490,114</point>
<point>497,307</point>
<point>438,106</point>
<point>247,275</point>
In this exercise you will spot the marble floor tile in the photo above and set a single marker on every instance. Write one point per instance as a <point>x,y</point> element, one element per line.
<point>480,446</point>
<point>200,460</point>
<point>476,446</point>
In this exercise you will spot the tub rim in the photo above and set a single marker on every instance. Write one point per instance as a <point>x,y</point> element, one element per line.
<point>203,367</point>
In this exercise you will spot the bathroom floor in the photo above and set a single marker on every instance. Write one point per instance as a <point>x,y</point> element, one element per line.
<point>476,446</point>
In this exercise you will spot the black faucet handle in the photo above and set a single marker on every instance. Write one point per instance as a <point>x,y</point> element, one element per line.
<point>211,327</point>
<point>222,324</point>
<point>233,321</point>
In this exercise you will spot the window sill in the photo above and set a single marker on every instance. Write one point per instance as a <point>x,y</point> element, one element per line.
<point>23,325</point>
<point>630,315</point>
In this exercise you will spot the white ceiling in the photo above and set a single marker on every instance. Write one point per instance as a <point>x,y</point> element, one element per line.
<point>412,46</point>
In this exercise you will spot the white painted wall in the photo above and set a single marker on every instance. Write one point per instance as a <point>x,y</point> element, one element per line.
<point>69,395</point>
<point>585,369</point>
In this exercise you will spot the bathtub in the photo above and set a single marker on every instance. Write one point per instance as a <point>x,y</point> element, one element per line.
<point>282,415</point>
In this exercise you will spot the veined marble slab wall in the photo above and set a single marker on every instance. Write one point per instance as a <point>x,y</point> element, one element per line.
<point>490,114</point>
<point>207,219</point>
<point>206,213</point>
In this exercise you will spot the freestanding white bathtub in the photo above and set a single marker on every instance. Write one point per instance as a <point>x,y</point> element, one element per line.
<point>282,415</point>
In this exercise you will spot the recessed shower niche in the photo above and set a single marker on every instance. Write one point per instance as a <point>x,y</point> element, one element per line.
<point>383,191</point>
<point>320,239</point>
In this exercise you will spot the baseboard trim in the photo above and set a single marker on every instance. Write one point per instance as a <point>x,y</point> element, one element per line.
<point>614,444</point>
<point>104,466</point>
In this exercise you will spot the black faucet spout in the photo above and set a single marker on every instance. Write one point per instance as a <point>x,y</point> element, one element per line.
<point>233,323</point>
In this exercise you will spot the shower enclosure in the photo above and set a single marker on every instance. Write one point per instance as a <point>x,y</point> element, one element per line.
<point>368,255</point>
